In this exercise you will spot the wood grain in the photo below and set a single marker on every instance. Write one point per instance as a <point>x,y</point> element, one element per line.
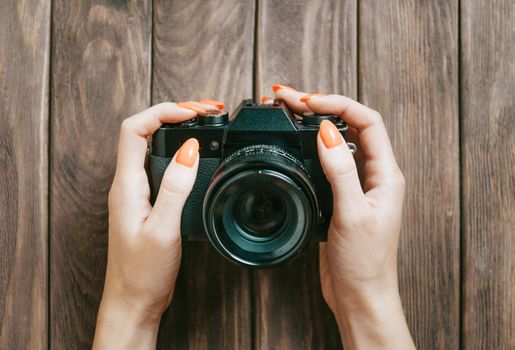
<point>205,50</point>
<point>310,46</point>
<point>24,67</point>
<point>407,68</point>
<point>488,174</point>
<point>409,73</point>
<point>100,75</point>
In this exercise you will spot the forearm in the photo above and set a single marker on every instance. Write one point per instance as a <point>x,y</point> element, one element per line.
<point>121,327</point>
<point>373,321</point>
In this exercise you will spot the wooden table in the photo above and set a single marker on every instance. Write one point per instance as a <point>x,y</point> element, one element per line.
<point>442,73</point>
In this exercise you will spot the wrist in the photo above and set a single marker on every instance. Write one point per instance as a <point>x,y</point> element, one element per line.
<point>117,309</point>
<point>368,296</point>
<point>373,318</point>
<point>123,325</point>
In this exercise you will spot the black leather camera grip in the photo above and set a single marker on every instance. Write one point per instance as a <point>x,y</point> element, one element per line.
<point>157,167</point>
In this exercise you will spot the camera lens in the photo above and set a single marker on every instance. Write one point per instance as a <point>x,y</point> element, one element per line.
<point>260,207</point>
<point>259,212</point>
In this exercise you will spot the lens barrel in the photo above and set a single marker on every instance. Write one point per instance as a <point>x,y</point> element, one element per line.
<point>260,207</point>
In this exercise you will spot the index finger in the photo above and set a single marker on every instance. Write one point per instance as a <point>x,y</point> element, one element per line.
<point>373,138</point>
<point>135,130</point>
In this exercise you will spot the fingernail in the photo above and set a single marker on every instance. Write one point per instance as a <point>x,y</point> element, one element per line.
<point>187,154</point>
<point>330,134</point>
<point>217,104</point>
<point>192,107</point>
<point>277,87</point>
<point>264,99</point>
<point>307,97</point>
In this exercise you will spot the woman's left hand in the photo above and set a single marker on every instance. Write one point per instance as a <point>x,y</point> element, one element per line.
<point>144,242</point>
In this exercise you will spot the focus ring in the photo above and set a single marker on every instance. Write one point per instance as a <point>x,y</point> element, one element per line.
<point>260,152</point>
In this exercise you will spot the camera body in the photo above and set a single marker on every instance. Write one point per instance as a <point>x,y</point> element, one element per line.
<point>260,193</point>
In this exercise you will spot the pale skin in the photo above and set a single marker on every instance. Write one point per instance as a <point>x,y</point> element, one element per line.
<point>358,264</point>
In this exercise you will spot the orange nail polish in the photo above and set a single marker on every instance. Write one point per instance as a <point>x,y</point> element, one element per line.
<point>307,97</point>
<point>187,154</point>
<point>276,87</point>
<point>217,104</point>
<point>192,107</point>
<point>330,134</point>
<point>265,98</point>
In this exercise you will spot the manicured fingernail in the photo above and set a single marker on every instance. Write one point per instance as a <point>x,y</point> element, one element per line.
<point>307,97</point>
<point>217,104</point>
<point>192,107</point>
<point>277,87</point>
<point>264,99</point>
<point>330,134</point>
<point>187,154</point>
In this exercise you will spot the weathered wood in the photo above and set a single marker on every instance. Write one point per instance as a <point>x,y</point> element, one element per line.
<point>408,70</point>
<point>408,54</point>
<point>100,75</point>
<point>488,174</point>
<point>205,50</point>
<point>311,46</point>
<point>24,67</point>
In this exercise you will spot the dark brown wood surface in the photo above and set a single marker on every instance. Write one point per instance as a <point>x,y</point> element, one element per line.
<point>205,50</point>
<point>441,73</point>
<point>488,174</point>
<point>24,67</point>
<point>408,55</point>
<point>311,46</point>
<point>100,75</point>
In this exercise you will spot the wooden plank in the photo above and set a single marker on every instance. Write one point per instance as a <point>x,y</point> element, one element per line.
<point>409,73</point>
<point>100,75</point>
<point>205,50</point>
<point>488,173</point>
<point>311,46</point>
<point>24,67</point>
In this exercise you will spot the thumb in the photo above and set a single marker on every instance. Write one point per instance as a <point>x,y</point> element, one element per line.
<point>176,185</point>
<point>340,169</point>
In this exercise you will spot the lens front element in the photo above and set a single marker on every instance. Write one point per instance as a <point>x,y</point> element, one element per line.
<point>259,212</point>
<point>260,207</point>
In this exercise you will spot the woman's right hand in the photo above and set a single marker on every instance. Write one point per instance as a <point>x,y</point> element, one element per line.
<point>358,264</point>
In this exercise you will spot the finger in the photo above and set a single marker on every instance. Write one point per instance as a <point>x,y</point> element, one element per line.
<point>340,170</point>
<point>291,97</point>
<point>194,106</point>
<point>369,124</point>
<point>202,108</point>
<point>219,105</point>
<point>267,99</point>
<point>135,130</point>
<point>176,185</point>
<point>382,174</point>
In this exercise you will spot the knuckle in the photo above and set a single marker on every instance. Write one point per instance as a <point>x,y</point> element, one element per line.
<point>175,187</point>
<point>166,104</point>
<point>112,195</point>
<point>398,179</point>
<point>376,116</point>
<point>343,169</point>
<point>127,125</point>
<point>401,180</point>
